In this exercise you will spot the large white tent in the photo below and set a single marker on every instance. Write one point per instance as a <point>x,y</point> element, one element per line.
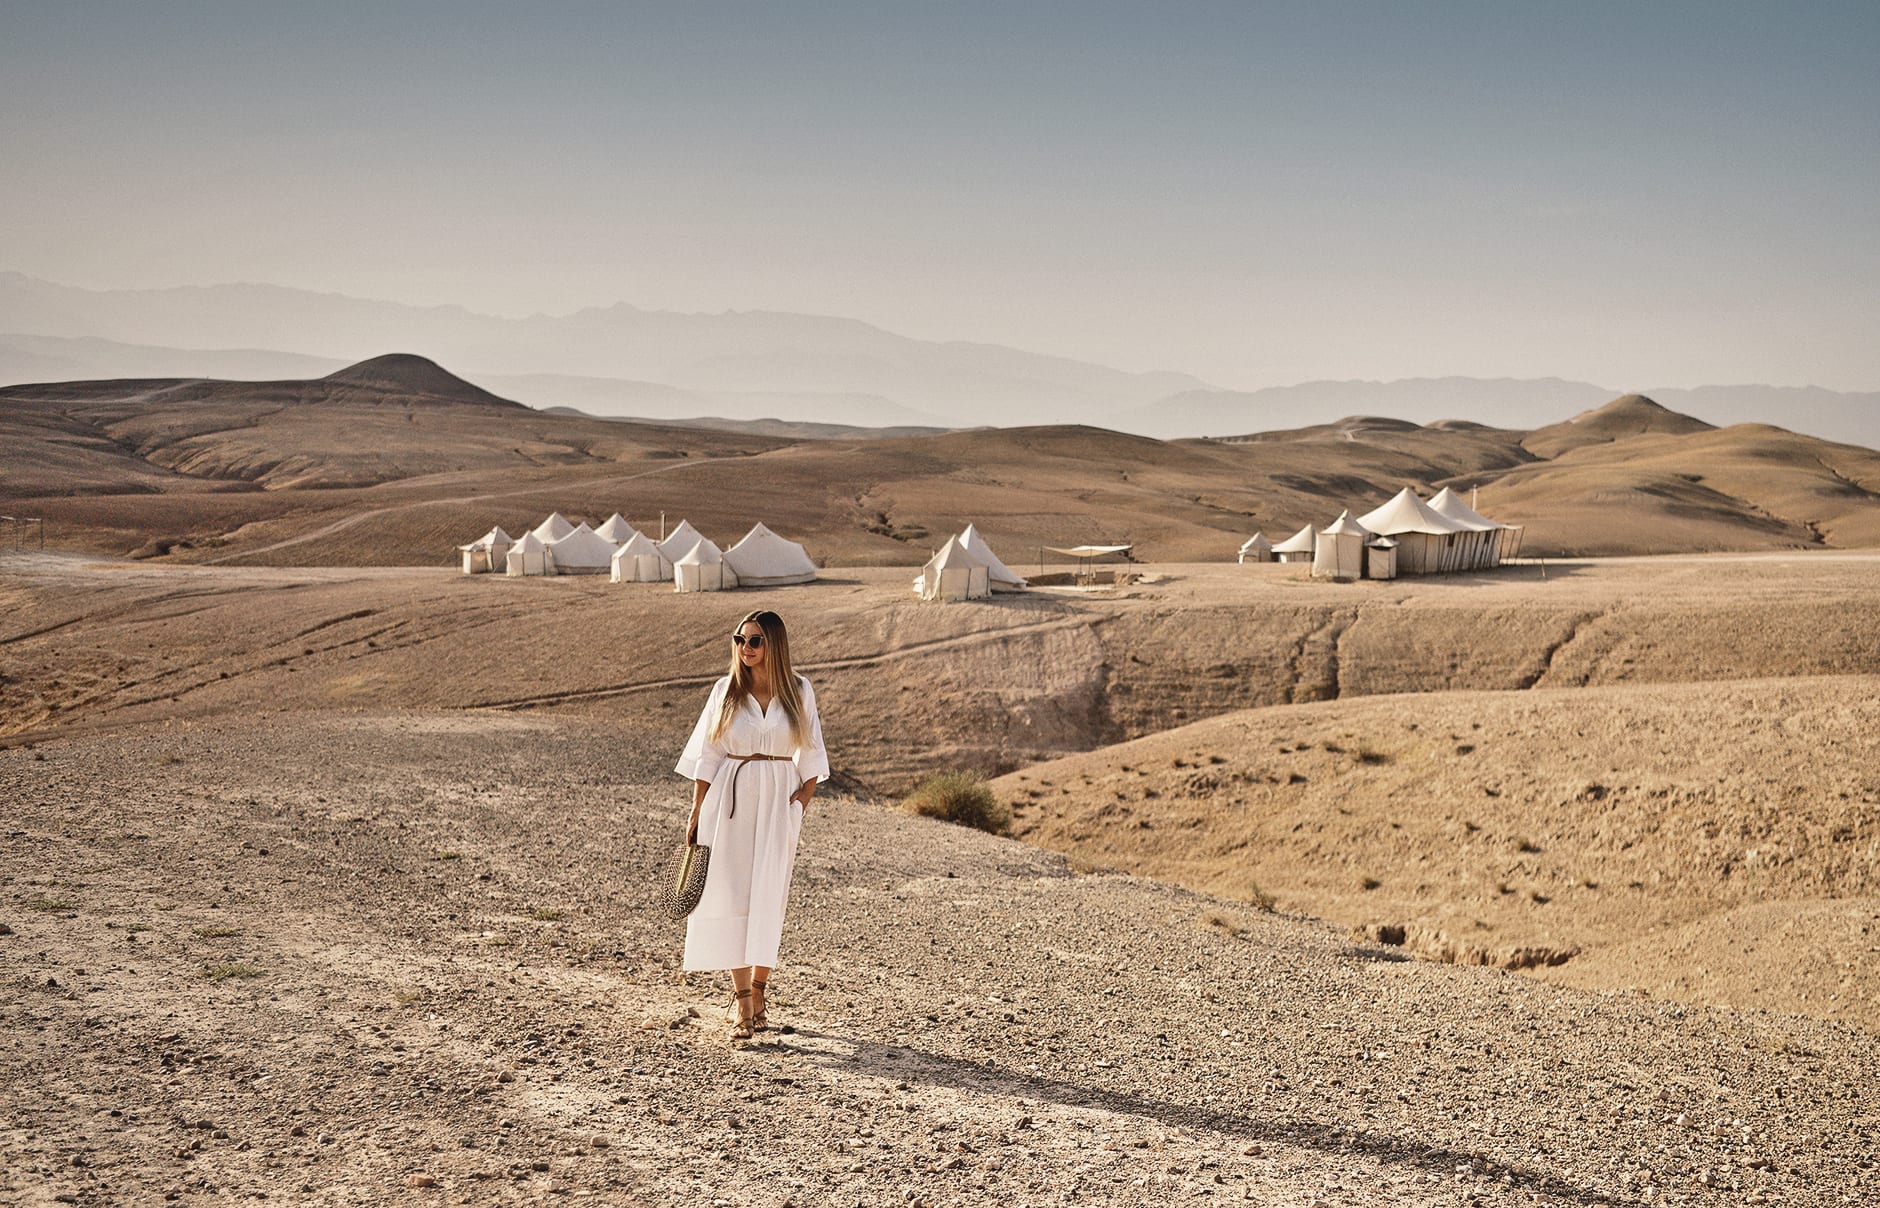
<point>702,568</point>
<point>616,529</point>
<point>582,552</point>
<point>1428,542</point>
<point>1001,576</point>
<point>553,529</point>
<point>486,553</point>
<point>953,574</point>
<point>1257,549</point>
<point>638,561</point>
<point>528,556</point>
<point>677,544</point>
<point>1340,550</point>
<point>1298,547</point>
<point>763,559</point>
<point>1494,542</point>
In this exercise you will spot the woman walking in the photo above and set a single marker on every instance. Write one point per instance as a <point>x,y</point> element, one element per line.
<point>754,759</point>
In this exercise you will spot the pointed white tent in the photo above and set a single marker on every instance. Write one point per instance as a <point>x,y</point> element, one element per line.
<point>763,559</point>
<point>638,561</point>
<point>1340,550</point>
<point>953,574</point>
<point>486,553</point>
<point>528,556</point>
<point>616,529</point>
<point>1257,549</point>
<point>1001,576</point>
<point>1428,542</point>
<point>702,568</point>
<point>677,543</point>
<point>553,529</point>
<point>581,552</point>
<point>1498,541</point>
<point>1298,547</point>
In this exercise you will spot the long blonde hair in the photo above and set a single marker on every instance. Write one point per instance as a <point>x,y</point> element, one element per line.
<point>782,676</point>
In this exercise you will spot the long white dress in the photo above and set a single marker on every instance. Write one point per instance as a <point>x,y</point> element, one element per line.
<point>739,920</point>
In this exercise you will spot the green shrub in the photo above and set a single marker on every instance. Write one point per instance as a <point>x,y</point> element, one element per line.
<point>962,798</point>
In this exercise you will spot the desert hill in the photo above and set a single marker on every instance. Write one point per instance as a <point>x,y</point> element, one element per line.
<point>409,460</point>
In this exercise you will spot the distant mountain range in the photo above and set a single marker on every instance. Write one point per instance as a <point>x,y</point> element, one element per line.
<point>745,366</point>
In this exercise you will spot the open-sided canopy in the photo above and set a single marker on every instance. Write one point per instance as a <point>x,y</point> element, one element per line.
<point>1090,551</point>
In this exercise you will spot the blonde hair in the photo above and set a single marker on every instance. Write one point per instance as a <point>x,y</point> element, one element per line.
<point>783,687</point>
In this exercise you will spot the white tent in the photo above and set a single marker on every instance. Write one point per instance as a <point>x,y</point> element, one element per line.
<point>1001,576</point>
<point>616,529</point>
<point>638,561</point>
<point>702,568</point>
<point>1340,550</point>
<point>553,529</point>
<point>1296,548</point>
<point>1428,542</point>
<point>581,552</point>
<point>677,543</point>
<point>763,559</point>
<point>1380,558</point>
<point>1497,541</point>
<point>953,574</point>
<point>528,556</point>
<point>1257,549</point>
<point>486,553</point>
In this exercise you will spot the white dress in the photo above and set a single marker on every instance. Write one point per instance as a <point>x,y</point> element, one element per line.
<point>739,920</point>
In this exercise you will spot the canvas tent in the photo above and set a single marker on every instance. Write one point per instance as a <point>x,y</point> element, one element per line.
<point>528,556</point>
<point>1257,549</point>
<point>1380,558</point>
<point>953,574</point>
<point>553,529</point>
<point>616,529</point>
<point>581,552</point>
<point>1001,576</point>
<point>1339,553</point>
<point>702,568</point>
<point>1296,548</point>
<point>763,559</point>
<point>486,553</point>
<point>1494,543</point>
<point>1428,542</point>
<point>677,543</point>
<point>638,561</point>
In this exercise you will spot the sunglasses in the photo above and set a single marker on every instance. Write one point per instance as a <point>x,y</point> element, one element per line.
<point>755,641</point>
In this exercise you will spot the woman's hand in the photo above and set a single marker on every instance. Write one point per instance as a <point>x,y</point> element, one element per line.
<point>804,792</point>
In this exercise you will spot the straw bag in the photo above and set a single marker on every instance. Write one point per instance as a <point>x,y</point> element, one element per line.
<point>682,890</point>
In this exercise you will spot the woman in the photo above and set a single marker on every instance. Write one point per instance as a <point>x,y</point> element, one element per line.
<point>754,760</point>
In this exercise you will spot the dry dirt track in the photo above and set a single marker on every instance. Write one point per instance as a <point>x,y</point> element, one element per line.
<point>325,957</point>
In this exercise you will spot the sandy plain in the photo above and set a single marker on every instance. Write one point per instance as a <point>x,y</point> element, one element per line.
<point>326,883</point>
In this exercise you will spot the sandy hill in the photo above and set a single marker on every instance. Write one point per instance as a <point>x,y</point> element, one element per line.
<point>409,461</point>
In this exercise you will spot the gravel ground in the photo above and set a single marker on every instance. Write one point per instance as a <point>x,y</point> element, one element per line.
<point>406,957</point>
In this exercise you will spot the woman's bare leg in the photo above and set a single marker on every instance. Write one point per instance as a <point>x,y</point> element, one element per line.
<point>760,977</point>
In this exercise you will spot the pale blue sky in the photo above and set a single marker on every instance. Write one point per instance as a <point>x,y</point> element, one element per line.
<point>1633,194</point>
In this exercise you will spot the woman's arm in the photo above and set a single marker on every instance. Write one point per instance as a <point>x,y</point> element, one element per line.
<point>699,789</point>
<point>806,791</point>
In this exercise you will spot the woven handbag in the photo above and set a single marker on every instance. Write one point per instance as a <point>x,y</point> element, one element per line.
<point>682,890</point>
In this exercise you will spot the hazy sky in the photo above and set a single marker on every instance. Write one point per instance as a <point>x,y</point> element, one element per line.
<point>1634,194</point>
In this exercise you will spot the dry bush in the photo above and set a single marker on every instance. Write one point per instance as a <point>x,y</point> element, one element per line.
<point>963,799</point>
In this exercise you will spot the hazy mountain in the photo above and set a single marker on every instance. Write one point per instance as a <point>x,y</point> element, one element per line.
<point>1514,403</point>
<point>737,352</point>
<point>30,358</point>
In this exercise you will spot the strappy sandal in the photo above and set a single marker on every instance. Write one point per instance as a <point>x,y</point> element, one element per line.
<point>760,1022</point>
<point>741,1000</point>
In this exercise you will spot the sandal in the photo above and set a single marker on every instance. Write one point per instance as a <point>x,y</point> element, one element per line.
<point>741,1030</point>
<point>760,1022</point>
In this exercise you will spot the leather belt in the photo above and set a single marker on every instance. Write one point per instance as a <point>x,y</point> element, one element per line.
<point>731,810</point>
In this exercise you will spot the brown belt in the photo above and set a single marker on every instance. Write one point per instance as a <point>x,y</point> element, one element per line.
<point>731,810</point>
